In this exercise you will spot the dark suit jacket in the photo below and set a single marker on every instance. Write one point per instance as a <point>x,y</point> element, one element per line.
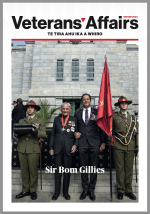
<point>90,132</point>
<point>58,137</point>
<point>18,113</point>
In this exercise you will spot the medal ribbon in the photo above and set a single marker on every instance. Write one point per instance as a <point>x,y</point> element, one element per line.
<point>64,123</point>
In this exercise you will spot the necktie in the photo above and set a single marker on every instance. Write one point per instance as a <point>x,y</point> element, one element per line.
<point>86,117</point>
<point>30,119</point>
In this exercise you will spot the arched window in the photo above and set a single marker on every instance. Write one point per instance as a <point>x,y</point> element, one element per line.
<point>75,70</point>
<point>60,69</point>
<point>90,69</point>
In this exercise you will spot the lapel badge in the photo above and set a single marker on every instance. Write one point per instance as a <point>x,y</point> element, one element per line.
<point>68,130</point>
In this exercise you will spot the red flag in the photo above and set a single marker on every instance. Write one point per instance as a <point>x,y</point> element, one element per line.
<point>104,111</point>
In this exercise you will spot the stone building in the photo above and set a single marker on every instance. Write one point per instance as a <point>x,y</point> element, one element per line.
<point>62,71</point>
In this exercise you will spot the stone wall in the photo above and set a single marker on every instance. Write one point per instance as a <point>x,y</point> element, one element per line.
<point>17,64</point>
<point>34,70</point>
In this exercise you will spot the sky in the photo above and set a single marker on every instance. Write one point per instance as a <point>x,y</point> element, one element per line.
<point>15,43</point>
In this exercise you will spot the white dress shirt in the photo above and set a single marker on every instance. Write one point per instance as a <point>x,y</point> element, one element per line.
<point>83,113</point>
<point>31,116</point>
<point>125,113</point>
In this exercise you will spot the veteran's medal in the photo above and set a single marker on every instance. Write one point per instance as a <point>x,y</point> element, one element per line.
<point>72,129</point>
<point>63,129</point>
<point>64,123</point>
<point>69,123</point>
<point>93,117</point>
<point>73,123</point>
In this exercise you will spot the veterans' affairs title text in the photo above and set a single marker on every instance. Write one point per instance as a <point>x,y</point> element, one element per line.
<point>103,22</point>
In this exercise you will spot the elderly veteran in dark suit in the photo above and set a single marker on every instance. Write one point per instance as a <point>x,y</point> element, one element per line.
<point>91,141</point>
<point>125,143</point>
<point>63,146</point>
<point>29,151</point>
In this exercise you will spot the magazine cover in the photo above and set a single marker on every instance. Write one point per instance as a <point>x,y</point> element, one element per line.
<point>75,78</point>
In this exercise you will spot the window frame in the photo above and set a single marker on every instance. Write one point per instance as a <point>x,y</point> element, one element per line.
<point>89,78</point>
<point>60,78</point>
<point>74,78</point>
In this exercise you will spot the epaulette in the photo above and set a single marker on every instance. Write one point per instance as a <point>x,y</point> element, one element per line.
<point>115,112</point>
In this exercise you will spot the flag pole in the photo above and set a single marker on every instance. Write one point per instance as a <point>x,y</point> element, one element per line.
<point>110,168</point>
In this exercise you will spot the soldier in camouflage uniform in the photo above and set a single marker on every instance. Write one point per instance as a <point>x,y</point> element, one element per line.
<point>125,143</point>
<point>29,151</point>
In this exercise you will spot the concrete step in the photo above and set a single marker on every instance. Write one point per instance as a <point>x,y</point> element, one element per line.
<point>102,186</point>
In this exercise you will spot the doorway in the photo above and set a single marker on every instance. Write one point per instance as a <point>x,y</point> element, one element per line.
<point>75,105</point>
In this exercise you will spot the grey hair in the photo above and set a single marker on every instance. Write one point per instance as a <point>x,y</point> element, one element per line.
<point>65,103</point>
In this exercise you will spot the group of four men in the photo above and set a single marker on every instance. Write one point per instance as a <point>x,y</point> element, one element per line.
<point>79,131</point>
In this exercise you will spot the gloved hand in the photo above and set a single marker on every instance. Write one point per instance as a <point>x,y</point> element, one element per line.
<point>34,132</point>
<point>136,150</point>
<point>19,135</point>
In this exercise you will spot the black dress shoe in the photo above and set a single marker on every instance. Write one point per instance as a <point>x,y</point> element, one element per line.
<point>66,196</point>
<point>131,195</point>
<point>22,194</point>
<point>83,195</point>
<point>33,195</point>
<point>55,196</point>
<point>120,195</point>
<point>92,196</point>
